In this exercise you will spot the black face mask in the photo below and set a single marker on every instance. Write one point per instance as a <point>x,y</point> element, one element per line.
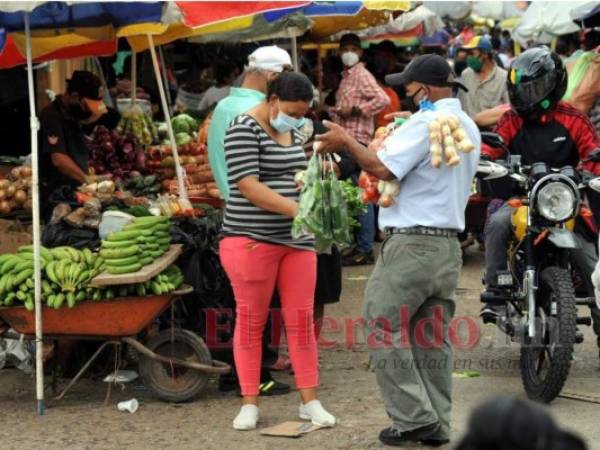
<point>412,106</point>
<point>459,66</point>
<point>78,112</point>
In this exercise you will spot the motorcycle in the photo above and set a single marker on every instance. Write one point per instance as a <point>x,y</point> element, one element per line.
<point>538,289</point>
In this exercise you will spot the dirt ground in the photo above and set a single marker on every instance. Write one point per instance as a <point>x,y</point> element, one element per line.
<point>81,421</point>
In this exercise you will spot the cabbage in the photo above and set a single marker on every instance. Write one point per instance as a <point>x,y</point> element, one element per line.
<point>182,139</point>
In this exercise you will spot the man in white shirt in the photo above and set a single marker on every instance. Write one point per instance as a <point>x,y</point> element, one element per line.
<point>418,267</point>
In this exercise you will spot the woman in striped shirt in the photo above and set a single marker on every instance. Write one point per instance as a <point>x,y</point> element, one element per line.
<point>263,153</point>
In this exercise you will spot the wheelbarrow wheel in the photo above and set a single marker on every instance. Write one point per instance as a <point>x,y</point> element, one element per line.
<point>173,383</point>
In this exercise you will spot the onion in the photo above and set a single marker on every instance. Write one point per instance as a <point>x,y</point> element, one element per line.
<point>4,184</point>
<point>15,173</point>
<point>2,194</point>
<point>4,207</point>
<point>28,205</point>
<point>20,196</point>
<point>25,172</point>
<point>10,191</point>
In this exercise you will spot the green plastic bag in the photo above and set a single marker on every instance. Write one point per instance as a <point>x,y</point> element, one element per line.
<point>322,211</point>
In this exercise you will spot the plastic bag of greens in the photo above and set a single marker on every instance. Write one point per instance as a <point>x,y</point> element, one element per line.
<point>340,224</point>
<point>306,222</point>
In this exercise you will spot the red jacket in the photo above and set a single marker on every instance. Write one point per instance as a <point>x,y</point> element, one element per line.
<point>565,136</point>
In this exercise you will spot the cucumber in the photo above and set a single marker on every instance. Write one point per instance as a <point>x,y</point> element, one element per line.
<point>123,269</point>
<point>118,253</point>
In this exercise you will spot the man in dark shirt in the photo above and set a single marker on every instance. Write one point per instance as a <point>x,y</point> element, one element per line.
<point>64,154</point>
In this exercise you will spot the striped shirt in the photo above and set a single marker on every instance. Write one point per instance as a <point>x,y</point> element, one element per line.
<point>250,151</point>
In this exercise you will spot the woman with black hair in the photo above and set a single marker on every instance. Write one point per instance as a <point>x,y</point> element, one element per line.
<point>263,152</point>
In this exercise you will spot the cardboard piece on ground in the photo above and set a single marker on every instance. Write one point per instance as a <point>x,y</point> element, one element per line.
<point>142,275</point>
<point>290,429</point>
<point>13,235</point>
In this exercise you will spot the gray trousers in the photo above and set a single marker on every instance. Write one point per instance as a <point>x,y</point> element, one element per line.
<point>409,304</point>
<point>498,233</point>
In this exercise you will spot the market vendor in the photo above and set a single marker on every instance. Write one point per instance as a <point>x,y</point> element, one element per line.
<point>64,154</point>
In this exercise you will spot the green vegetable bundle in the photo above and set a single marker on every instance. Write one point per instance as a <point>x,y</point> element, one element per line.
<point>322,210</point>
<point>139,243</point>
<point>354,202</point>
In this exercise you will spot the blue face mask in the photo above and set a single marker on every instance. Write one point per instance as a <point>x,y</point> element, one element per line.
<point>284,123</point>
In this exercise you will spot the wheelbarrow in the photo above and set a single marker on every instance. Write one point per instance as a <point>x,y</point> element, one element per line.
<point>174,364</point>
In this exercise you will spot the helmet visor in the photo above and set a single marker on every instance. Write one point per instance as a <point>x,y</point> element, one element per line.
<point>527,94</point>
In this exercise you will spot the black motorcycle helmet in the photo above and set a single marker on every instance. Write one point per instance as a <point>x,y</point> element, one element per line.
<point>537,80</point>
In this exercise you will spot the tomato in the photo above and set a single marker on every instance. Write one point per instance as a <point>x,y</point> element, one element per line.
<point>363,180</point>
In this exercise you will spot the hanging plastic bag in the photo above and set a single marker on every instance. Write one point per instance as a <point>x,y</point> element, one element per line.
<point>322,211</point>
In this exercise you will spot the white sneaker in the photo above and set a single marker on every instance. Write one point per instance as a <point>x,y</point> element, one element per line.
<point>315,412</point>
<point>246,418</point>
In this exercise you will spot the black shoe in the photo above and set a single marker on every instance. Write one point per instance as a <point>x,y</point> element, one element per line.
<point>228,383</point>
<point>434,442</point>
<point>490,313</point>
<point>271,388</point>
<point>396,438</point>
<point>358,259</point>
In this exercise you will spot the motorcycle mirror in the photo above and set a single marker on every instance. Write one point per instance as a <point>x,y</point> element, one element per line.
<point>491,170</point>
<point>492,139</point>
<point>594,156</point>
<point>595,184</point>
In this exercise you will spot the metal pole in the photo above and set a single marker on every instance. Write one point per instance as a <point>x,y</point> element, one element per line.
<point>165,79</point>
<point>295,53</point>
<point>34,125</point>
<point>133,77</point>
<point>165,107</point>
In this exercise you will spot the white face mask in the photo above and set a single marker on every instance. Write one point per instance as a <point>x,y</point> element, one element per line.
<point>350,58</point>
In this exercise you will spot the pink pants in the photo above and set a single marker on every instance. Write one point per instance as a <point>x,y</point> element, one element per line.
<point>254,269</point>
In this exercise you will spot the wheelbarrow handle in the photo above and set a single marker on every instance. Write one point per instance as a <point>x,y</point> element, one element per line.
<point>218,367</point>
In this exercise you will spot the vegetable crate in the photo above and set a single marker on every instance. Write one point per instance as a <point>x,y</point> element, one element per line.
<point>174,363</point>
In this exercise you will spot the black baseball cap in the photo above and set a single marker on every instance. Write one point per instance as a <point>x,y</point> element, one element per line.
<point>86,84</point>
<point>350,39</point>
<point>428,69</point>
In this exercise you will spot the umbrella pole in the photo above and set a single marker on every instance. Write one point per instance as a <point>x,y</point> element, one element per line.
<point>161,55</point>
<point>294,43</point>
<point>165,107</point>
<point>34,124</point>
<point>133,78</point>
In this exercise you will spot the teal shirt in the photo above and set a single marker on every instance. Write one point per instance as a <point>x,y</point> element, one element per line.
<point>239,101</point>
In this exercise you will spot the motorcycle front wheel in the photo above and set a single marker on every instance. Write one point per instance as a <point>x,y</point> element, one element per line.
<point>546,359</point>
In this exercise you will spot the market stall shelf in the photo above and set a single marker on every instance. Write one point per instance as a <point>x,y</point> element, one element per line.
<point>144,274</point>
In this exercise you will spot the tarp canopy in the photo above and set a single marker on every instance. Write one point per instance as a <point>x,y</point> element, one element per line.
<point>499,10</point>
<point>544,20</point>
<point>453,10</point>
<point>587,16</point>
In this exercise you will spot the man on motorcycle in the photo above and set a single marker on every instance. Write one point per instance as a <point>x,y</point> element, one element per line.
<point>539,128</point>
